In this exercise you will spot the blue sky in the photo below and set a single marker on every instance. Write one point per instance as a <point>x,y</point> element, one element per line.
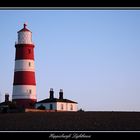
<point>93,55</point>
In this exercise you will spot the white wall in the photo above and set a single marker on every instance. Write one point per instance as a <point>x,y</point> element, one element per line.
<point>57,106</point>
<point>47,105</point>
<point>66,106</point>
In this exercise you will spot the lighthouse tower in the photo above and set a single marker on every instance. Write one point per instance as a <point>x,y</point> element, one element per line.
<point>24,85</point>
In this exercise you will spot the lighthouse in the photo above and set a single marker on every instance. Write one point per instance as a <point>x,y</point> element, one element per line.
<point>24,84</point>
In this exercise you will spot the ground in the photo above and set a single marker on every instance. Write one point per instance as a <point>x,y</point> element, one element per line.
<point>70,121</point>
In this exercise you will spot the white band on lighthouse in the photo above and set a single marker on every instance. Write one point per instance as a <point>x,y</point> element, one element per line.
<point>25,37</point>
<point>24,92</point>
<point>24,65</point>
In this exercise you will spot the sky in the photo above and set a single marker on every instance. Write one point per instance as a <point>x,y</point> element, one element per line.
<point>93,55</point>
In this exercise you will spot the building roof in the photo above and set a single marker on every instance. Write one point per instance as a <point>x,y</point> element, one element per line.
<point>5,103</point>
<point>24,29</point>
<point>48,100</point>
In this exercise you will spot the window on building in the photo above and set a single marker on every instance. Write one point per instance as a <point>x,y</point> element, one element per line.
<point>71,107</point>
<point>29,64</point>
<point>61,106</point>
<point>51,106</point>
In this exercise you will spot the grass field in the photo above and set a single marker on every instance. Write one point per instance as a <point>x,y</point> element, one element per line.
<point>68,121</point>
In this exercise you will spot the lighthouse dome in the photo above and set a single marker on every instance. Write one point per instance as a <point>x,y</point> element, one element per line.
<point>24,36</point>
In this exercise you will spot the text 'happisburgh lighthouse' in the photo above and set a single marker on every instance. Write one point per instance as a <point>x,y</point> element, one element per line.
<point>24,85</point>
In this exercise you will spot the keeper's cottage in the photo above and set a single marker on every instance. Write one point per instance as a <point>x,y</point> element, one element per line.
<point>57,104</point>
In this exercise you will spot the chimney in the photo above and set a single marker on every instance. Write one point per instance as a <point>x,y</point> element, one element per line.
<point>6,97</point>
<point>61,94</point>
<point>51,93</point>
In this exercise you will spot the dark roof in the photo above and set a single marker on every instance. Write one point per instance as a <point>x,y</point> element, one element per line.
<point>24,29</point>
<point>48,100</point>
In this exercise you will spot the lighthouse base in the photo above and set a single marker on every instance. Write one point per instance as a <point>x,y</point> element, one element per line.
<point>25,103</point>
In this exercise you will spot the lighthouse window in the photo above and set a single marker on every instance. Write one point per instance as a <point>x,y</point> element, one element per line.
<point>30,91</point>
<point>29,64</point>
<point>29,50</point>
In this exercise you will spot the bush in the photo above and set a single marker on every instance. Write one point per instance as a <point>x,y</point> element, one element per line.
<point>5,110</point>
<point>41,107</point>
<point>80,110</point>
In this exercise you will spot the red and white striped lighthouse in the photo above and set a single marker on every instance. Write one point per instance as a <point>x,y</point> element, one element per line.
<point>24,85</point>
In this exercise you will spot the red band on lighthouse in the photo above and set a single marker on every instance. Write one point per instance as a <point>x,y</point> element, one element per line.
<point>24,85</point>
<point>24,78</point>
<point>24,51</point>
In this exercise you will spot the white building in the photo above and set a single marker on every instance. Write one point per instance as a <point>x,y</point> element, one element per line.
<point>55,104</point>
